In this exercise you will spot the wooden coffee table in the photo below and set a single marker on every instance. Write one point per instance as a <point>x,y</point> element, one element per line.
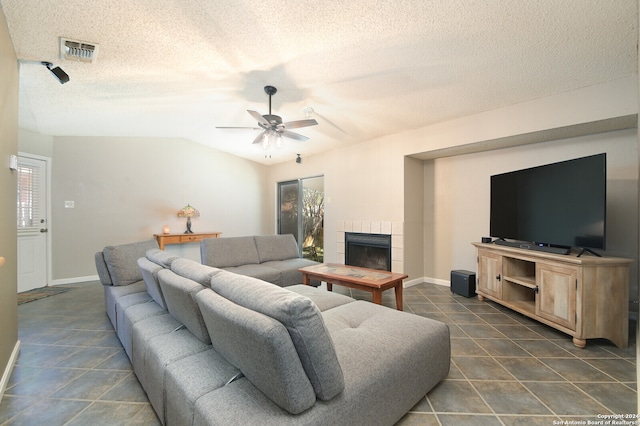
<point>371,280</point>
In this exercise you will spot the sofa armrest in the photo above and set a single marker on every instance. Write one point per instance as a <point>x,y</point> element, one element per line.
<point>103,271</point>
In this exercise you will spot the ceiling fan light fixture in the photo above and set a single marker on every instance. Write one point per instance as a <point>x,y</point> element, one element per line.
<point>308,111</point>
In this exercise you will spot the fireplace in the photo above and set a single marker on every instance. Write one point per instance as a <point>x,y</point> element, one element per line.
<point>368,250</point>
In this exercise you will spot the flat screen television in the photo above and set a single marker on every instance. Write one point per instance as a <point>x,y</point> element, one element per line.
<point>556,205</point>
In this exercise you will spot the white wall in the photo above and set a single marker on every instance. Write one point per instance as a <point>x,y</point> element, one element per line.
<point>127,189</point>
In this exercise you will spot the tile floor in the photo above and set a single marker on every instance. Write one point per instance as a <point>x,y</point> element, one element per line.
<point>505,369</point>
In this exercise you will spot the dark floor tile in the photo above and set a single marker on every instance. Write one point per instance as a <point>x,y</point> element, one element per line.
<point>509,397</point>
<point>530,369</point>
<point>481,331</point>
<point>462,318</point>
<point>517,331</point>
<point>117,361</point>
<point>502,347</point>
<point>418,308</point>
<point>49,412</point>
<point>422,406</point>
<point>590,351</point>
<point>455,331</point>
<point>481,368</point>
<point>470,420</point>
<point>44,355</point>
<point>616,397</point>
<point>576,370</point>
<point>127,390</point>
<point>457,397</point>
<point>454,372</point>
<point>453,307</point>
<point>418,419</point>
<point>88,357</point>
<point>564,399</point>
<point>91,385</point>
<point>517,420</point>
<point>107,413</point>
<point>145,417</point>
<point>11,406</point>
<point>542,348</point>
<point>620,370</point>
<point>45,383</point>
<point>467,347</point>
<point>496,318</point>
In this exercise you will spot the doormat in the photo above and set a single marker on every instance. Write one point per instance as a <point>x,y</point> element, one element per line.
<point>41,293</point>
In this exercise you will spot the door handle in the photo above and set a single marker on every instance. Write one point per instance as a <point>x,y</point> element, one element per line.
<point>43,230</point>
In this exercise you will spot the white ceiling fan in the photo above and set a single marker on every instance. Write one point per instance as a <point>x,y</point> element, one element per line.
<point>273,127</point>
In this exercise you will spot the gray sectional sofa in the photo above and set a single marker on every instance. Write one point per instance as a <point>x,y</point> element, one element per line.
<point>211,347</point>
<point>271,258</point>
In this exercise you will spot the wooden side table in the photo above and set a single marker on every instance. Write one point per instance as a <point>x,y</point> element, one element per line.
<point>164,239</point>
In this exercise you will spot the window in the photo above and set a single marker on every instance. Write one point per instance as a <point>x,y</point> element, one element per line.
<point>306,196</point>
<point>28,195</point>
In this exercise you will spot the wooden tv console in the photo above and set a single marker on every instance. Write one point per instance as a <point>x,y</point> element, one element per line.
<point>586,297</point>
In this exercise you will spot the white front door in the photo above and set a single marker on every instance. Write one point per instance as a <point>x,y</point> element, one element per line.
<point>32,223</point>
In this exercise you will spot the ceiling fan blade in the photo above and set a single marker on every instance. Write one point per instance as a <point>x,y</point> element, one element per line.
<point>259,117</point>
<point>258,138</point>
<point>237,127</point>
<point>300,123</point>
<point>295,136</point>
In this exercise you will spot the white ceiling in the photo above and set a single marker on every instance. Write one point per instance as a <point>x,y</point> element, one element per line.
<point>169,68</point>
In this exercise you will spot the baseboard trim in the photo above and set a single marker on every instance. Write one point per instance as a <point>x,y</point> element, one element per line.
<point>427,280</point>
<point>75,280</point>
<point>9,369</point>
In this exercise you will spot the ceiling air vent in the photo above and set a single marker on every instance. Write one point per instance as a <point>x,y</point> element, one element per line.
<point>74,50</point>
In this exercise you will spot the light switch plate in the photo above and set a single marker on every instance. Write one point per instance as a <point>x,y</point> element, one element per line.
<point>69,204</point>
<point>13,162</point>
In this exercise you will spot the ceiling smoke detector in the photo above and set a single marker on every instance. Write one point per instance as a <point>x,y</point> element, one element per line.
<point>74,50</point>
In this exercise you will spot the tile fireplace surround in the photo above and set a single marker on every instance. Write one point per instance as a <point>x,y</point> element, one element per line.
<point>395,229</point>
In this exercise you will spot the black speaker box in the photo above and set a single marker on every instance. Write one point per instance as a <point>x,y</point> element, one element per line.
<point>463,283</point>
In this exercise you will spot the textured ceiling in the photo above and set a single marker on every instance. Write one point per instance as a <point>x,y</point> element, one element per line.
<point>169,68</point>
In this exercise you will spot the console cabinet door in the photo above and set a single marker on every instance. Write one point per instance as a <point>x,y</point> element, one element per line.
<point>556,300</point>
<point>490,274</point>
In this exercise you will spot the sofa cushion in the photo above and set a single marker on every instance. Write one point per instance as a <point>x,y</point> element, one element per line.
<point>260,272</point>
<point>161,257</point>
<point>122,260</point>
<point>194,271</point>
<point>231,251</point>
<point>187,379</point>
<point>113,293</point>
<point>289,274</point>
<point>302,319</point>
<point>179,294</point>
<point>323,299</point>
<point>276,247</point>
<point>149,271</point>
<point>261,348</point>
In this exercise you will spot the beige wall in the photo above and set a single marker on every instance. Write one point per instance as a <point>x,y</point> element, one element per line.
<point>127,189</point>
<point>8,240</point>
<point>372,181</point>
<point>461,191</point>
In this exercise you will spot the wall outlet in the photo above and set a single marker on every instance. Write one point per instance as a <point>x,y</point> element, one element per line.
<point>69,204</point>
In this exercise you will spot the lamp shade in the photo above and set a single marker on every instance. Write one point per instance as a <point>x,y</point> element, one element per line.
<point>188,211</point>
